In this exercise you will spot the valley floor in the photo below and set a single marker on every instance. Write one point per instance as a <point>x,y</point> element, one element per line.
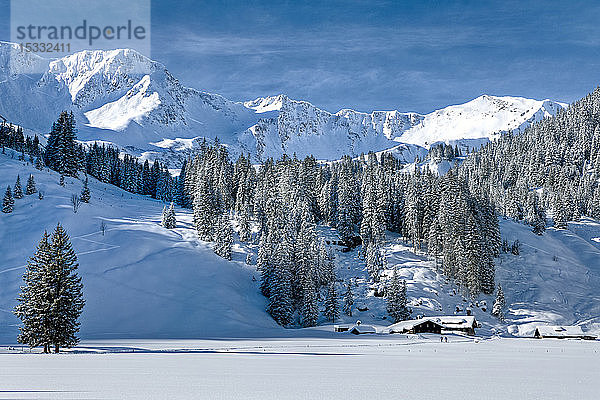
<point>395,366</point>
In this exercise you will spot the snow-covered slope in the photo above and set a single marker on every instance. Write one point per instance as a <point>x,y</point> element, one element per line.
<point>143,281</point>
<point>292,126</point>
<point>140,280</point>
<point>554,280</point>
<point>482,118</point>
<point>120,96</point>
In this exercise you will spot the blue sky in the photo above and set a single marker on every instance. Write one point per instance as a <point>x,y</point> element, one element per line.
<point>411,56</point>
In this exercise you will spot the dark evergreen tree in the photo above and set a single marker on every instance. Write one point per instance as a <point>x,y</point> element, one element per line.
<point>8,202</point>
<point>18,190</point>
<point>396,299</point>
<point>52,299</point>
<point>348,300</point>
<point>62,153</point>
<point>85,192</point>
<point>30,188</point>
<point>332,308</point>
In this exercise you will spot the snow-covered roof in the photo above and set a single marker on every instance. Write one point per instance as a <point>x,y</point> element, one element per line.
<point>360,328</point>
<point>402,326</point>
<point>456,321</point>
<point>559,331</point>
<point>448,322</point>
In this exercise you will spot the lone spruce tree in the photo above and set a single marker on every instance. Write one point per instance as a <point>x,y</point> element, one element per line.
<point>499,304</point>
<point>8,202</point>
<point>51,300</point>
<point>85,192</point>
<point>30,188</point>
<point>18,190</point>
<point>168,217</point>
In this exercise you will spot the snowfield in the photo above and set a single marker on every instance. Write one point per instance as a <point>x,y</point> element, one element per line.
<point>390,366</point>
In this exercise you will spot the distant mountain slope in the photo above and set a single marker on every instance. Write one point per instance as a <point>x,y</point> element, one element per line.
<point>120,96</point>
<point>482,118</point>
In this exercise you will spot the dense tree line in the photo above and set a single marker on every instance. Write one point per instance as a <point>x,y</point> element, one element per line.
<point>284,200</point>
<point>65,155</point>
<point>552,167</point>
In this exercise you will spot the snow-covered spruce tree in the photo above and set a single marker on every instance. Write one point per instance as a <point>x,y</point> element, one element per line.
<point>396,298</point>
<point>85,192</point>
<point>205,212</point>
<point>8,202</point>
<point>348,300</point>
<point>348,206</point>
<point>33,302</point>
<point>280,304</point>
<point>560,217</point>
<point>224,237</point>
<point>169,220</point>
<point>325,265</point>
<point>539,221</point>
<point>309,310</point>
<point>374,261</point>
<point>244,225</point>
<point>30,188</point>
<point>499,304</point>
<point>473,258</point>
<point>332,307</point>
<point>265,264</point>
<point>52,299</point>
<point>61,150</point>
<point>18,190</point>
<point>39,163</point>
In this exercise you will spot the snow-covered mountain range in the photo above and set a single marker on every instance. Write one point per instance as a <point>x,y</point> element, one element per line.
<point>121,96</point>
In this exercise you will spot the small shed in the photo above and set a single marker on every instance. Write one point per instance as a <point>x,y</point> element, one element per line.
<point>341,328</point>
<point>561,332</point>
<point>360,329</point>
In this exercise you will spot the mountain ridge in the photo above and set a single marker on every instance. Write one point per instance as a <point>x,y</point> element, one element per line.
<point>123,97</point>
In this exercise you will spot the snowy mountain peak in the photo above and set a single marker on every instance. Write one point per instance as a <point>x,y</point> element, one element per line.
<point>480,119</point>
<point>88,74</point>
<point>266,104</point>
<point>123,97</point>
<point>14,60</point>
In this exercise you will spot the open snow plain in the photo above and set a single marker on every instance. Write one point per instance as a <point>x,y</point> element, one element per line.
<point>376,367</point>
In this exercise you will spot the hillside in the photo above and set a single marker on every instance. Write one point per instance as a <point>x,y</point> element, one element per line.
<point>140,280</point>
<point>143,281</point>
